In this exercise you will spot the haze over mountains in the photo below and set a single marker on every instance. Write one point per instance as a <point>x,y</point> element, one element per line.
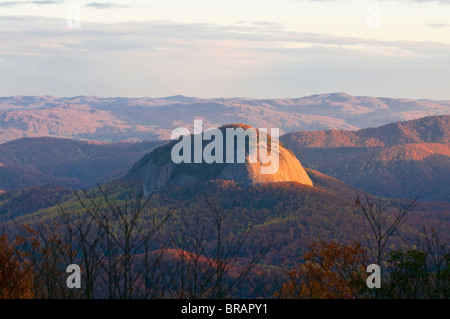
<point>119,119</point>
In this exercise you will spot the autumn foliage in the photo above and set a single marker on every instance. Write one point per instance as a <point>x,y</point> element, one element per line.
<point>331,271</point>
<point>16,275</point>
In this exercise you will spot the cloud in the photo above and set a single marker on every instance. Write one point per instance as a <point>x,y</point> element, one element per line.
<point>156,58</point>
<point>425,1</point>
<point>10,3</point>
<point>7,4</point>
<point>438,25</point>
<point>43,2</point>
<point>105,5</point>
<point>166,35</point>
<point>417,1</point>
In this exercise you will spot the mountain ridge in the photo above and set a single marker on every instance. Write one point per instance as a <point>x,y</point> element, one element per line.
<point>78,164</point>
<point>401,170</point>
<point>405,132</point>
<point>401,159</point>
<point>119,118</point>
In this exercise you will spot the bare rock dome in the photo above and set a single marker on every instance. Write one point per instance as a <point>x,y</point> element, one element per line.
<point>157,169</point>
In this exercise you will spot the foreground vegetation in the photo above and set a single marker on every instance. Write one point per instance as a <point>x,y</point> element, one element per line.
<point>128,249</point>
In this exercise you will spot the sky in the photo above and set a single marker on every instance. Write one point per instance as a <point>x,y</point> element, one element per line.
<point>225,48</point>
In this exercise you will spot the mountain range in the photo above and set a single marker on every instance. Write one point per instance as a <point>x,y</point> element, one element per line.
<point>397,160</point>
<point>41,176</point>
<point>402,159</point>
<point>145,119</point>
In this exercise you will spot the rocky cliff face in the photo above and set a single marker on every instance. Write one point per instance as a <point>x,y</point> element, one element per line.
<point>157,169</point>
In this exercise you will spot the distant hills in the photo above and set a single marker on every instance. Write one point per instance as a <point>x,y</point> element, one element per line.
<point>118,119</point>
<point>29,200</point>
<point>396,160</point>
<point>35,161</point>
<point>57,145</point>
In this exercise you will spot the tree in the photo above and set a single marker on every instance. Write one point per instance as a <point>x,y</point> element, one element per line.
<point>423,272</point>
<point>331,271</point>
<point>111,239</point>
<point>45,251</point>
<point>108,238</point>
<point>383,224</point>
<point>16,276</point>
<point>208,258</point>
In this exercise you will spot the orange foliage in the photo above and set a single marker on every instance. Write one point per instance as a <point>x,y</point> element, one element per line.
<point>331,271</point>
<point>15,275</point>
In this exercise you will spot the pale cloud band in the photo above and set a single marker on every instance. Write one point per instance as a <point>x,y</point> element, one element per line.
<point>256,59</point>
<point>7,4</point>
<point>105,5</point>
